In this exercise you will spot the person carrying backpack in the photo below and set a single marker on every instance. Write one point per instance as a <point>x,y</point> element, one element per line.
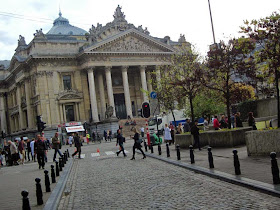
<point>137,144</point>
<point>40,148</point>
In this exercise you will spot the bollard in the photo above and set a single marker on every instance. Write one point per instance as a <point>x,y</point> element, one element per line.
<point>25,200</point>
<point>152,149</point>
<point>236,162</point>
<point>39,193</point>
<point>53,174</point>
<point>178,152</point>
<point>145,145</point>
<point>191,154</point>
<point>210,158</point>
<point>56,169</point>
<point>47,181</point>
<point>62,161</point>
<point>60,164</point>
<point>167,150</point>
<point>274,168</point>
<point>68,155</point>
<point>159,149</point>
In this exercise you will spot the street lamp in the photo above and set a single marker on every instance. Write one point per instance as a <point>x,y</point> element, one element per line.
<point>211,22</point>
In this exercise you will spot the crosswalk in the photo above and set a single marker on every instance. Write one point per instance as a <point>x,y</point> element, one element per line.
<point>99,154</point>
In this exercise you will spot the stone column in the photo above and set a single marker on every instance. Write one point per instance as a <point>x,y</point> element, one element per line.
<point>3,113</point>
<point>144,83</point>
<point>158,76</point>
<point>20,120</point>
<point>110,88</point>
<point>126,91</point>
<point>30,117</point>
<point>102,95</point>
<point>150,87</point>
<point>92,94</point>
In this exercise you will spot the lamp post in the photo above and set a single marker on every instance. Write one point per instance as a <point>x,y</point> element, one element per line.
<point>211,21</point>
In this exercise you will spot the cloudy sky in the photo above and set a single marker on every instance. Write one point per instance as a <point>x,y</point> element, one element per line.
<point>161,17</point>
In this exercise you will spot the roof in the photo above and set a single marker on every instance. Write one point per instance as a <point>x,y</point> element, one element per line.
<point>5,63</point>
<point>61,26</point>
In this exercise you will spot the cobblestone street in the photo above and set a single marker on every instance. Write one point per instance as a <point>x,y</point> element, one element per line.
<point>111,182</point>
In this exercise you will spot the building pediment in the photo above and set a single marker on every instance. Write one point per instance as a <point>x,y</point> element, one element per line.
<point>69,95</point>
<point>131,41</point>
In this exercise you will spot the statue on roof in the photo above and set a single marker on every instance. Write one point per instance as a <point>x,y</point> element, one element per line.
<point>39,34</point>
<point>21,41</point>
<point>182,38</point>
<point>118,13</point>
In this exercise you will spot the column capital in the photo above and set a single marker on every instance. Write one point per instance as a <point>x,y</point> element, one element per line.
<point>107,68</point>
<point>90,70</point>
<point>124,68</point>
<point>142,67</point>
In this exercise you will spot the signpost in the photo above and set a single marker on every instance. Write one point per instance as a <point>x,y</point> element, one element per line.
<point>153,95</point>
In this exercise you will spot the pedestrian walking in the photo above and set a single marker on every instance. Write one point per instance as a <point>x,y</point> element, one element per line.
<point>187,127</point>
<point>40,148</point>
<point>142,131</point>
<point>120,141</point>
<point>77,142</point>
<point>14,153</point>
<point>28,149</point>
<point>206,124</point>
<point>167,134</point>
<point>33,155</point>
<point>223,123</point>
<point>137,144</point>
<point>21,150</point>
<point>172,131</point>
<point>179,129</point>
<point>251,121</point>
<point>216,123</point>
<point>238,120</point>
<point>105,135</point>
<point>56,144</point>
<point>195,133</point>
<point>71,139</point>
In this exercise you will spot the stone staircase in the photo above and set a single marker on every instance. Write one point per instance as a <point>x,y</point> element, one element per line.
<point>126,129</point>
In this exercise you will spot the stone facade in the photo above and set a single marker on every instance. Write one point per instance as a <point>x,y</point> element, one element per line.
<point>64,76</point>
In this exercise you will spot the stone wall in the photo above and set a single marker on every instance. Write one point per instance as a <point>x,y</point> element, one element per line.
<point>228,138</point>
<point>263,142</point>
<point>267,107</point>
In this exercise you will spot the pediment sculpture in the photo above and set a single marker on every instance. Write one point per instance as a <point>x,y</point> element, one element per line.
<point>69,94</point>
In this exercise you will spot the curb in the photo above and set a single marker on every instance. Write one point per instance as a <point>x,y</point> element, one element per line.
<point>55,197</point>
<point>270,189</point>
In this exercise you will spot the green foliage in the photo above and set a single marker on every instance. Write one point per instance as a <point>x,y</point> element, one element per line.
<point>207,104</point>
<point>245,107</point>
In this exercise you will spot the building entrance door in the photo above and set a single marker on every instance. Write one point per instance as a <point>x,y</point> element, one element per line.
<point>120,106</point>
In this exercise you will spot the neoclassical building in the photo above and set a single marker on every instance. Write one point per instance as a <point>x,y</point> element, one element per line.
<point>69,74</point>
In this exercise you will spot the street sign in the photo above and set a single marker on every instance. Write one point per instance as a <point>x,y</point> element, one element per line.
<point>153,95</point>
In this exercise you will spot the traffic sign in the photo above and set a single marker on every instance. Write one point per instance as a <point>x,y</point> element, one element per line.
<point>153,95</point>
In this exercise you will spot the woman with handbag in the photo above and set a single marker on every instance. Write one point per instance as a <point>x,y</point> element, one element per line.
<point>137,144</point>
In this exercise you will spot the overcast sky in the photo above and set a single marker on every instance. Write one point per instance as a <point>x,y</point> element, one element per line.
<point>161,17</point>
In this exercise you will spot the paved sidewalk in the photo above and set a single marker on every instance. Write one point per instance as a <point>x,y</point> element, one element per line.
<point>256,168</point>
<point>14,179</point>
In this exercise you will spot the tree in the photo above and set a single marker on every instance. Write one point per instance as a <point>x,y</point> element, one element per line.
<point>207,103</point>
<point>224,63</point>
<point>241,92</point>
<point>187,73</point>
<point>266,33</point>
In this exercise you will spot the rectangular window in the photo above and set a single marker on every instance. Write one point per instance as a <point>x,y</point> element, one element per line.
<point>69,111</point>
<point>67,82</point>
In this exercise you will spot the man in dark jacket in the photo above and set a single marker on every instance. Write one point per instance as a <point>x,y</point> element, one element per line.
<point>78,145</point>
<point>187,127</point>
<point>195,133</point>
<point>56,144</point>
<point>40,148</point>
<point>120,141</point>
<point>238,120</point>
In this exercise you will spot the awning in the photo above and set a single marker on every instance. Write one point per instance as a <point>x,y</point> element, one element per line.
<point>74,129</point>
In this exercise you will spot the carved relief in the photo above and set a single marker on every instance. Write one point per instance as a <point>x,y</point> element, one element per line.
<point>23,102</point>
<point>69,94</point>
<point>58,63</point>
<point>129,44</point>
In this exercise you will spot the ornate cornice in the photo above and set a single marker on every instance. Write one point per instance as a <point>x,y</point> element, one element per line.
<point>69,94</point>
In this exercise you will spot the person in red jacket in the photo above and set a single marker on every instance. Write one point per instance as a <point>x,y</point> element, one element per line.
<point>216,123</point>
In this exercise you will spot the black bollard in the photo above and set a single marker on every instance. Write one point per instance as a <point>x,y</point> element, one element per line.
<point>60,164</point>
<point>56,169</point>
<point>53,174</point>
<point>210,158</point>
<point>159,149</point>
<point>178,152</point>
<point>236,162</point>
<point>65,158</point>
<point>145,145</point>
<point>191,154</point>
<point>152,148</point>
<point>62,161</point>
<point>167,150</point>
<point>274,168</point>
<point>39,193</point>
<point>68,155</point>
<point>25,200</point>
<point>47,181</point>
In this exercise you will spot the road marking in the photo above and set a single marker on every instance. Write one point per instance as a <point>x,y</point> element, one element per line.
<point>95,154</point>
<point>83,155</point>
<point>126,151</point>
<point>110,153</point>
